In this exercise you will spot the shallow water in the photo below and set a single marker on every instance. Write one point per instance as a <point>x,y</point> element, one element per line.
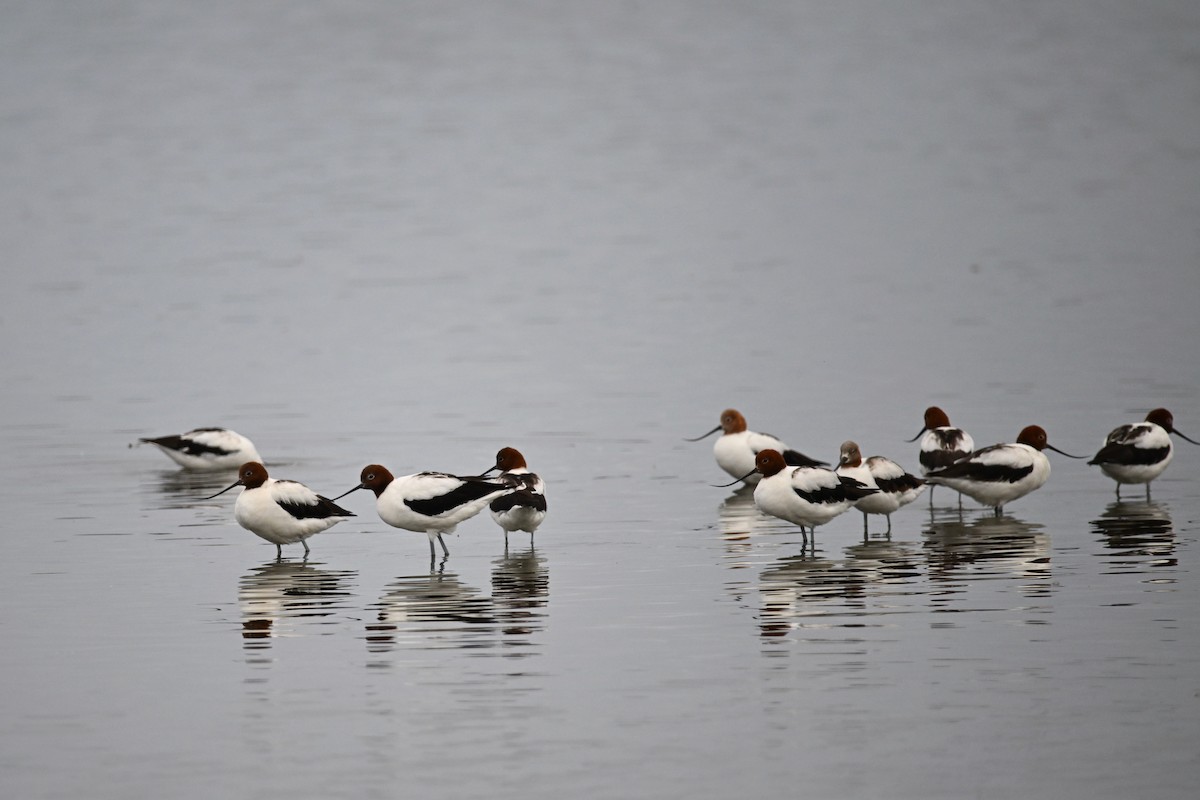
<point>414,234</point>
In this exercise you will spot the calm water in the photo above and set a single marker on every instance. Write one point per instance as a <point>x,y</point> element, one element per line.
<point>414,233</point>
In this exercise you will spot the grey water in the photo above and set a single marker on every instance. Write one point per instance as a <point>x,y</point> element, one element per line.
<point>412,233</point>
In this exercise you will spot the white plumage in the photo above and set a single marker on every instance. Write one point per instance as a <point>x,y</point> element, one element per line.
<point>1139,452</point>
<point>804,496</point>
<point>997,475</point>
<point>941,444</point>
<point>207,449</point>
<point>896,487</point>
<point>737,448</point>
<point>524,508</point>
<point>430,502</point>
<point>281,511</point>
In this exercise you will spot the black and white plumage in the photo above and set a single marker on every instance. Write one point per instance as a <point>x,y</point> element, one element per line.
<point>941,444</point>
<point>997,475</point>
<point>429,502</point>
<point>804,496</point>
<point>896,487</point>
<point>206,449</point>
<point>524,508</point>
<point>1140,451</point>
<point>737,447</point>
<point>281,511</point>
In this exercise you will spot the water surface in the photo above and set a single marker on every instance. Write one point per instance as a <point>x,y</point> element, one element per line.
<point>414,234</point>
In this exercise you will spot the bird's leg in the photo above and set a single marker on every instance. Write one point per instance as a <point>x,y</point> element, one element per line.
<point>305,547</point>
<point>442,542</point>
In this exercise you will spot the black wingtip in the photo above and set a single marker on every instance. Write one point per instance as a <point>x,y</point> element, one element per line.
<point>794,458</point>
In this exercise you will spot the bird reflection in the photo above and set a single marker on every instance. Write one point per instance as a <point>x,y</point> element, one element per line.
<point>179,488</point>
<point>737,515</point>
<point>520,592</point>
<point>806,586</point>
<point>183,488</point>
<point>281,591</point>
<point>434,611</point>
<point>988,547</point>
<point>1139,534</point>
<point>737,519</point>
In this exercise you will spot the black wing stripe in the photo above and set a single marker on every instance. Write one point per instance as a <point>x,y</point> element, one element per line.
<point>846,489</point>
<point>794,458</point>
<point>937,459</point>
<point>904,483</point>
<point>987,473</point>
<point>189,446</point>
<point>467,492</point>
<point>521,499</point>
<point>1113,453</point>
<point>322,509</point>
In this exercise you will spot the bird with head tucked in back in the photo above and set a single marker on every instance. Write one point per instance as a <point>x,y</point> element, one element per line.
<point>1139,451</point>
<point>206,449</point>
<point>281,511</point>
<point>524,508</point>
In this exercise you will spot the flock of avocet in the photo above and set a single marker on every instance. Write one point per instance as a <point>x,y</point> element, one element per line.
<point>287,512</point>
<point>787,484</point>
<point>793,487</point>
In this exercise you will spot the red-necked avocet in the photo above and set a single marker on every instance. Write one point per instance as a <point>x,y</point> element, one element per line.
<point>1140,451</point>
<point>432,503</point>
<point>804,496</point>
<point>737,447</point>
<point>281,511</point>
<point>997,475</point>
<point>896,487</point>
<point>941,444</point>
<point>524,508</point>
<point>207,448</point>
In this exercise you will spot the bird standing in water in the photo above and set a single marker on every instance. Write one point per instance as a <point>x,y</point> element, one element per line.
<point>1140,451</point>
<point>281,511</point>
<point>524,508</point>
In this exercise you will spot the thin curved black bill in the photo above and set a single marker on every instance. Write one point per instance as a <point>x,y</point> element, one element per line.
<point>731,483</point>
<point>1181,436</point>
<point>226,489</point>
<point>705,436</point>
<point>343,494</point>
